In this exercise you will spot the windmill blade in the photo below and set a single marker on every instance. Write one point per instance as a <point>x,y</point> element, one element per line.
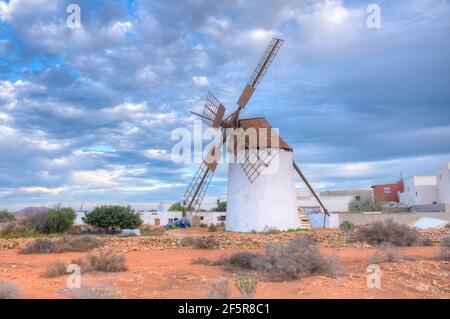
<point>303,177</point>
<point>199,185</point>
<point>213,111</point>
<point>261,68</point>
<point>253,161</point>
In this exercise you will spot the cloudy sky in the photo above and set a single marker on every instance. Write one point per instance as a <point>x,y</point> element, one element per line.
<point>86,114</point>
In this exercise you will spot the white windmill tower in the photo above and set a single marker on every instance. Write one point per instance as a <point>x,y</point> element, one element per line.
<point>261,190</point>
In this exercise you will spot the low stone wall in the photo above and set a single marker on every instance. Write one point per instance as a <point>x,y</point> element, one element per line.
<point>325,237</point>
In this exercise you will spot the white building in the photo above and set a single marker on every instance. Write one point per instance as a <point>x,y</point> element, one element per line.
<point>419,190</point>
<point>333,203</point>
<point>148,217</point>
<point>160,218</point>
<point>443,185</point>
<point>206,218</point>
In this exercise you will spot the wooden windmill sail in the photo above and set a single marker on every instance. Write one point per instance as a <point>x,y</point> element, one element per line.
<point>256,159</point>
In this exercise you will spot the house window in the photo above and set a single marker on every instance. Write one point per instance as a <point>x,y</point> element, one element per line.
<point>387,190</point>
<point>201,217</point>
<point>175,219</point>
<point>170,220</point>
<point>417,194</point>
<point>358,197</point>
<point>221,218</point>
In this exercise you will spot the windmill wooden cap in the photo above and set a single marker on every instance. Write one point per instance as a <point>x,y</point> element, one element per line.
<point>261,123</point>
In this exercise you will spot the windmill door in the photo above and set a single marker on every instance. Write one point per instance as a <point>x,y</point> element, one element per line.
<point>157,221</point>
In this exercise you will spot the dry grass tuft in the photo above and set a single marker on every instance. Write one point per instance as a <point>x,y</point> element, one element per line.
<point>107,261</point>
<point>9,290</point>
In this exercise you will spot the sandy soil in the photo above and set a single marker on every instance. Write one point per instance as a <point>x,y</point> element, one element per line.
<point>170,274</point>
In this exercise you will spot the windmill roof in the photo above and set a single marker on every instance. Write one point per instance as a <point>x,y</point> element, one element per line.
<point>261,122</point>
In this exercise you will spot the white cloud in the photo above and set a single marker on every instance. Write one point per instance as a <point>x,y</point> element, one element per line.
<point>45,190</point>
<point>200,80</point>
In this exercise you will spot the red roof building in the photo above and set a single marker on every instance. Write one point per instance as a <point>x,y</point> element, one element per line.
<point>387,192</point>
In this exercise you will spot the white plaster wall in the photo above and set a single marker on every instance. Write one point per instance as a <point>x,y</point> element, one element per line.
<point>270,202</point>
<point>419,190</point>
<point>443,183</point>
<point>149,217</point>
<point>332,203</point>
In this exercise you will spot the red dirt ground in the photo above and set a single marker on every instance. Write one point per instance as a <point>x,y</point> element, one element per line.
<point>170,274</point>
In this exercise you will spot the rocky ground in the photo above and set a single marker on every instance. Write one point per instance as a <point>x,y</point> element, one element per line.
<point>172,239</point>
<point>159,268</point>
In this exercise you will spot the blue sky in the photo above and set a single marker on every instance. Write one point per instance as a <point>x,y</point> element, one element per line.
<point>86,114</point>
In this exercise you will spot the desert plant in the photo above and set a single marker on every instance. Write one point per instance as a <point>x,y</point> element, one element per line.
<point>365,205</point>
<point>200,242</point>
<point>389,232</point>
<point>102,290</point>
<point>212,228</point>
<point>204,261</point>
<point>38,221</point>
<point>246,286</point>
<point>6,217</point>
<point>245,260</point>
<point>66,243</point>
<point>147,230</point>
<point>446,241</point>
<point>113,216</point>
<point>107,261</point>
<point>386,253</point>
<point>14,230</point>
<point>9,290</point>
<point>347,227</point>
<point>203,225</point>
<point>287,261</point>
<point>219,290</point>
<point>444,253</point>
<point>56,268</point>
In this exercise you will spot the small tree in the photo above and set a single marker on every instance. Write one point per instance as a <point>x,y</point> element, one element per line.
<point>221,206</point>
<point>347,227</point>
<point>366,205</point>
<point>60,219</point>
<point>177,207</point>
<point>113,216</point>
<point>6,216</point>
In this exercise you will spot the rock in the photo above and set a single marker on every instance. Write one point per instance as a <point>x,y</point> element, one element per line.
<point>130,232</point>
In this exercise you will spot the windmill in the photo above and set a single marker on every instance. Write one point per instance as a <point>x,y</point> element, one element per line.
<point>255,200</point>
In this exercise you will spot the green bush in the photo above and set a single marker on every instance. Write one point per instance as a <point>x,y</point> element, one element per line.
<point>6,217</point>
<point>14,230</point>
<point>55,220</point>
<point>113,216</point>
<point>38,221</point>
<point>60,219</point>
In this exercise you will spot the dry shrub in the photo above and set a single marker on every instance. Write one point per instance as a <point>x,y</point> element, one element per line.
<point>386,253</point>
<point>63,244</point>
<point>389,232</point>
<point>446,241</point>
<point>246,286</point>
<point>107,261</point>
<point>148,230</point>
<point>9,290</point>
<point>57,268</point>
<point>102,290</point>
<point>212,228</point>
<point>444,253</point>
<point>219,290</point>
<point>295,259</point>
<point>200,242</point>
<point>204,261</point>
<point>15,230</point>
